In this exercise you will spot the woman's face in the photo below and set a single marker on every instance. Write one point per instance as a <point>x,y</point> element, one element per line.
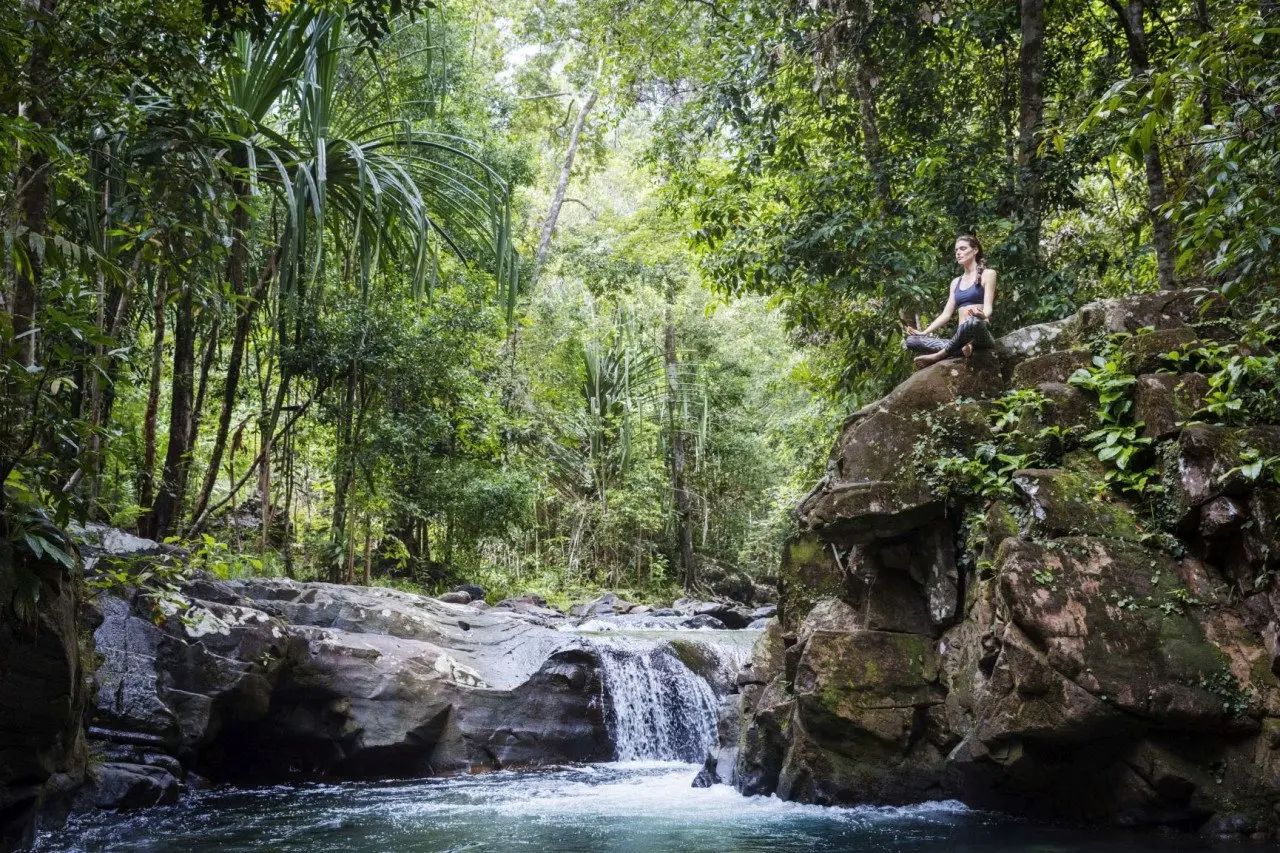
<point>964,252</point>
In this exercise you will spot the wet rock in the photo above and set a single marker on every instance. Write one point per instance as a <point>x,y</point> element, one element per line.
<point>764,737</point>
<point>707,776</point>
<point>732,616</point>
<point>42,697</point>
<point>294,680</point>
<point>532,606</point>
<point>455,597</point>
<point>766,612</point>
<point>130,786</point>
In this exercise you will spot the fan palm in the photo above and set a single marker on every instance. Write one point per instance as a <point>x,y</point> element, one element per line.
<point>361,183</point>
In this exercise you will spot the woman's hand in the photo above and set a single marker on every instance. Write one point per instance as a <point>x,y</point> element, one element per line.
<point>911,331</point>
<point>977,314</point>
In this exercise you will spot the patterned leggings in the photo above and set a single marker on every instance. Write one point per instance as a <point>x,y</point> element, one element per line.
<point>975,332</point>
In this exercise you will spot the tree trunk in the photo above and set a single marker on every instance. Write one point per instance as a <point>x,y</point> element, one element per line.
<point>1162,235</point>
<point>33,183</point>
<point>368,551</point>
<point>202,385</point>
<point>557,200</point>
<point>1030,118</point>
<point>245,309</point>
<point>168,502</point>
<point>872,147</point>
<point>147,474</point>
<point>680,494</point>
<point>342,471</point>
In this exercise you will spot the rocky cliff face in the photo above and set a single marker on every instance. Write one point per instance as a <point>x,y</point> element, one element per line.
<point>273,679</point>
<point>43,694</point>
<point>1051,649</point>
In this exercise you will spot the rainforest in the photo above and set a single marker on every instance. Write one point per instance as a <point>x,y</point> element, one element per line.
<point>453,424</point>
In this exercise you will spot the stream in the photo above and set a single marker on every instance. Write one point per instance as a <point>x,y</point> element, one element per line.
<point>662,718</point>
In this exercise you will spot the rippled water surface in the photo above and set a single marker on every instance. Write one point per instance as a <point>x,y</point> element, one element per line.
<point>619,808</point>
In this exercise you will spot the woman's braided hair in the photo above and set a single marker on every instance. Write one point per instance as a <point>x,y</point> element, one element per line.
<point>975,243</point>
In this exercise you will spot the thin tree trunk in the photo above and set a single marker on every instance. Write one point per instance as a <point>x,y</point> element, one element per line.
<point>368,551</point>
<point>342,468</point>
<point>684,535</point>
<point>1030,119</point>
<point>147,475</point>
<point>33,183</point>
<point>168,502</point>
<point>244,324</point>
<point>557,200</point>
<point>202,385</point>
<point>1162,234</point>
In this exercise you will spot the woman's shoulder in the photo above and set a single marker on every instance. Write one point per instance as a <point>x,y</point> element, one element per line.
<point>989,274</point>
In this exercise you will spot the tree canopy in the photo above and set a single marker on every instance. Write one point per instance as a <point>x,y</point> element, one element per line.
<point>559,296</point>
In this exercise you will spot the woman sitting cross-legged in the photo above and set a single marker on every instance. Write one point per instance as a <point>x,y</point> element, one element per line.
<point>973,294</point>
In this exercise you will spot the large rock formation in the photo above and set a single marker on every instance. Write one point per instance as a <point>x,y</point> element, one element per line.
<point>1055,652</point>
<point>270,678</point>
<point>42,692</point>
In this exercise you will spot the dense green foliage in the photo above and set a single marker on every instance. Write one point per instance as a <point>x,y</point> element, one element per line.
<point>559,296</point>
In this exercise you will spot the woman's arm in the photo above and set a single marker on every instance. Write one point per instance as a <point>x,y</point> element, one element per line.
<point>944,317</point>
<point>989,291</point>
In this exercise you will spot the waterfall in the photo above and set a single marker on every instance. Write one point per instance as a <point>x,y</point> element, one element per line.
<point>657,707</point>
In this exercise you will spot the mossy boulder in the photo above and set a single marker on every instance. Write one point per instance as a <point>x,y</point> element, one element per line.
<point>1066,408</point>
<point>1095,667</point>
<point>1201,465</point>
<point>865,687</point>
<point>1062,503</point>
<point>1162,402</point>
<point>808,573</point>
<point>1050,367</point>
<point>1143,353</point>
<point>1030,341</point>
<point>1164,309</point>
<point>1112,617</point>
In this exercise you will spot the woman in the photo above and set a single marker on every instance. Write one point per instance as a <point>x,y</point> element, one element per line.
<point>974,295</point>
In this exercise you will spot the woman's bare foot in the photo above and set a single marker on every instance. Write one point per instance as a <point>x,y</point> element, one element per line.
<point>967,349</point>
<point>923,361</point>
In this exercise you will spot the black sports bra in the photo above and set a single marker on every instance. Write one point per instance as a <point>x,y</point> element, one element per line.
<point>974,294</point>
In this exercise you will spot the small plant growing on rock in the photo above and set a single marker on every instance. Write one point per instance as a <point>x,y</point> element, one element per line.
<point>1044,576</point>
<point>1237,700</point>
<point>1177,601</point>
<point>1254,466</point>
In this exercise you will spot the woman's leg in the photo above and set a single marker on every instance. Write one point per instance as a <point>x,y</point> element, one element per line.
<point>975,334</point>
<point>925,344</point>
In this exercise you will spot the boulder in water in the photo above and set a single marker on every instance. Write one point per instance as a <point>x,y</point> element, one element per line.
<point>130,786</point>
<point>271,679</point>
<point>707,775</point>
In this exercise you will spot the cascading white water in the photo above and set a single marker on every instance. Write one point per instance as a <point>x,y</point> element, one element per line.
<point>658,708</point>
